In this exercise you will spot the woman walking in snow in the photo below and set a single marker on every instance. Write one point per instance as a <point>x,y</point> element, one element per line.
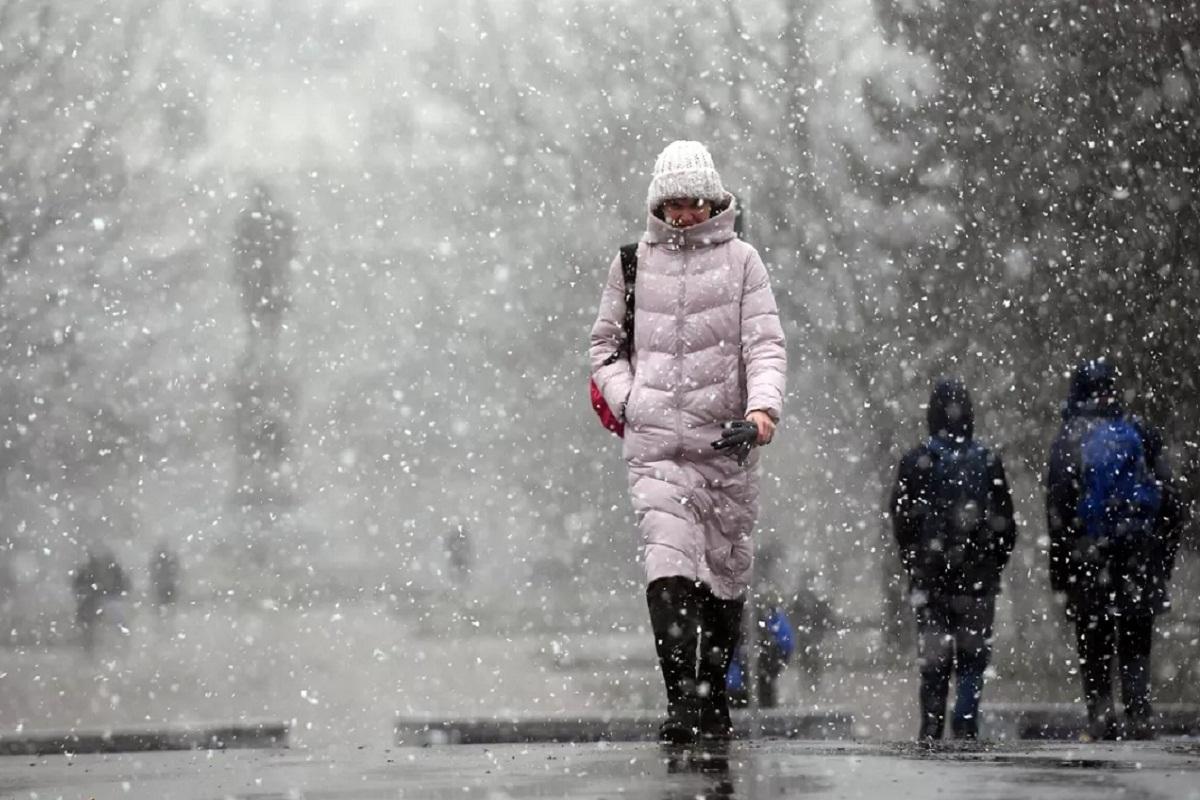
<point>707,349</point>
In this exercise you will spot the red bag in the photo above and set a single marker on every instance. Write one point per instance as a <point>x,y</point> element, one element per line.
<point>607,418</point>
<point>629,271</point>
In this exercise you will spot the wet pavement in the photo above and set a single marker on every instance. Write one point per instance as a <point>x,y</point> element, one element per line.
<point>748,770</point>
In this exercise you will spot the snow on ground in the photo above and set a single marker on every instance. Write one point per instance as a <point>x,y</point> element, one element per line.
<point>343,673</point>
<point>635,771</point>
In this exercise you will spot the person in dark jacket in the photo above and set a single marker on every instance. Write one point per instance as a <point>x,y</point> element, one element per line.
<point>1114,532</point>
<point>99,584</point>
<point>776,643</point>
<point>812,618</point>
<point>952,515</point>
<point>164,578</point>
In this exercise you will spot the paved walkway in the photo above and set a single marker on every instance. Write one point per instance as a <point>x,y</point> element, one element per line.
<point>749,770</point>
<point>345,674</point>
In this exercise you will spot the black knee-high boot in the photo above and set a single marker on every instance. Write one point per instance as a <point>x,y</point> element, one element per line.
<point>720,632</point>
<point>935,682</point>
<point>674,618</point>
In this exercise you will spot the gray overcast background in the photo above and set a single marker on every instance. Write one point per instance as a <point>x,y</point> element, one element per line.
<point>993,189</point>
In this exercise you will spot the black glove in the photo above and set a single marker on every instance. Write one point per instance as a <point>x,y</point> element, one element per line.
<point>737,437</point>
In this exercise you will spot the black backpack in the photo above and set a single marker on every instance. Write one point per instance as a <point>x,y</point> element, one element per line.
<point>955,538</point>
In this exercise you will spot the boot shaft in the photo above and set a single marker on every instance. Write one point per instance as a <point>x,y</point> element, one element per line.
<point>674,619</point>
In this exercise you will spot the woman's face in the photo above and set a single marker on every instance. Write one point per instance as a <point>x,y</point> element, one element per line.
<point>684,212</point>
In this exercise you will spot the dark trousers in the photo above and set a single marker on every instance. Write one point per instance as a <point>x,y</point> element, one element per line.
<point>954,635</point>
<point>695,633</point>
<point>1101,633</point>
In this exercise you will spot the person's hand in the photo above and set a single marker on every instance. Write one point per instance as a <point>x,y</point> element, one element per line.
<point>737,437</point>
<point>766,426</point>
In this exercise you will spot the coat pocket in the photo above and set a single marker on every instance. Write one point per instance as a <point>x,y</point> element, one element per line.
<point>731,559</point>
<point>632,417</point>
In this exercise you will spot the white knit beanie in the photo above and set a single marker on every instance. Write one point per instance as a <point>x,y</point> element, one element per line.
<point>684,169</point>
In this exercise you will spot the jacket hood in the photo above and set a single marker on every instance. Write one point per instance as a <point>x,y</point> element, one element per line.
<point>712,231</point>
<point>950,414</point>
<point>1093,390</point>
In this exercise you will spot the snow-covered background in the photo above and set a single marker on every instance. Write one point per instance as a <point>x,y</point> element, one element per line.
<point>993,189</point>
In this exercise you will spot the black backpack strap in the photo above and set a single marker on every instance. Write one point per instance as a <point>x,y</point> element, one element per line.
<point>629,272</point>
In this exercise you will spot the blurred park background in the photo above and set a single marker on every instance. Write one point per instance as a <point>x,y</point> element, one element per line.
<point>300,292</point>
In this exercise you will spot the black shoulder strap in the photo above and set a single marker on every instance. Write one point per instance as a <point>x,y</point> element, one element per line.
<point>629,262</point>
<point>629,272</point>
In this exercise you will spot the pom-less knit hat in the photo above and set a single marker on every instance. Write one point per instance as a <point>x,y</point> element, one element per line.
<point>684,169</point>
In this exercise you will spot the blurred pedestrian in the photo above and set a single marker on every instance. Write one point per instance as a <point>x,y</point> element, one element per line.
<point>776,644</point>
<point>707,349</point>
<point>100,586</point>
<point>952,515</point>
<point>1114,518</point>
<point>459,553</point>
<point>8,596</point>
<point>164,578</point>
<point>811,616</point>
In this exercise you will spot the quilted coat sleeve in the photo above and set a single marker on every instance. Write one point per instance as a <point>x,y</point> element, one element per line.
<point>763,350</point>
<point>614,379</point>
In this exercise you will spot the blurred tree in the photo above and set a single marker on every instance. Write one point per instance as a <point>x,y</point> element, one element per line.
<point>264,394</point>
<point>1068,138</point>
<point>1071,138</point>
<point>95,123</point>
<point>824,181</point>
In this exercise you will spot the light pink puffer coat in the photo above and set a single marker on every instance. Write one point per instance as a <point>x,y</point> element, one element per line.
<point>708,348</point>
